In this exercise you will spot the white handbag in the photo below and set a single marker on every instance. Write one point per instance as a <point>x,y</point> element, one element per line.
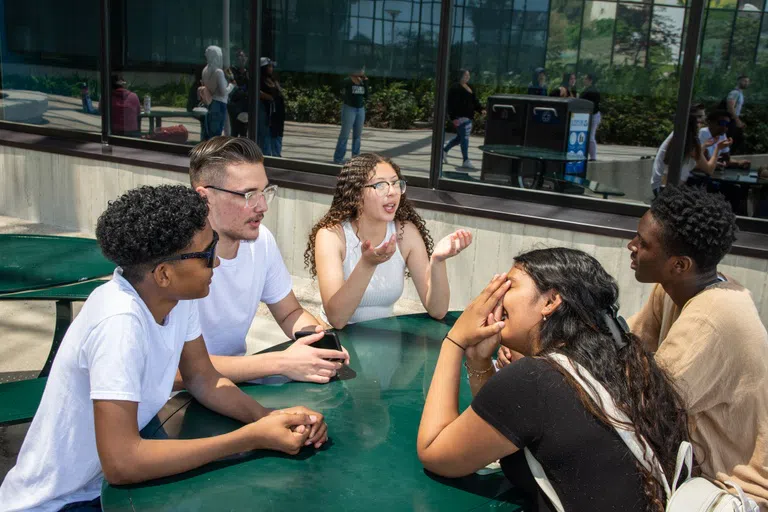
<point>695,494</point>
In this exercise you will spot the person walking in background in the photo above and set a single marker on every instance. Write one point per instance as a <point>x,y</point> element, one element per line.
<point>462,105</point>
<point>355,94</point>
<point>734,102</point>
<point>271,111</point>
<point>538,85</point>
<point>238,98</point>
<point>213,93</point>
<point>126,108</point>
<point>592,94</point>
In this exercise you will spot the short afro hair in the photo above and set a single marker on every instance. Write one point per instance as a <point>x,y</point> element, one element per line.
<point>696,224</point>
<point>147,224</point>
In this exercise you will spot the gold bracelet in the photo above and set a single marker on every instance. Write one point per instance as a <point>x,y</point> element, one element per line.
<point>476,373</point>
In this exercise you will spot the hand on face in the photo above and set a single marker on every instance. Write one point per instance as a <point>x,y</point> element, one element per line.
<point>452,245</point>
<point>473,325</point>
<point>375,256</point>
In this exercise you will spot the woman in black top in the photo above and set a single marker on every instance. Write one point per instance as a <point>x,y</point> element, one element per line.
<point>592,94</point>
<point>552,301</point>
<point>271,111</point>
<point>462,105</point>
<point>567,88</point>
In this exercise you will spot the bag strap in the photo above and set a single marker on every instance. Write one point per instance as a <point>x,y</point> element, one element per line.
<point>543,480</point>
<point>597,392</point>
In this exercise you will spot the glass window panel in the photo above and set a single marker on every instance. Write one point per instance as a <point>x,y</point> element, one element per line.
<point>679,3</point>
<point>723,4</point>
<point>744,41</point>
<point>564,30</point>
<point>716,38</point>
<point>631,39</point>
<point>394,41</point>
<point>666,36</point>
<point>49,64</point>
<point>597,34</point>
<point>158,53</point>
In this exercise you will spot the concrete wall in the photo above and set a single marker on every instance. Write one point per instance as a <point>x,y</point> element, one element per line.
<point>72,192</point>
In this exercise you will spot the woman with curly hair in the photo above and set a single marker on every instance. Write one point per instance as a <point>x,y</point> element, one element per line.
<point>557,307</point>
<point>360,249</point>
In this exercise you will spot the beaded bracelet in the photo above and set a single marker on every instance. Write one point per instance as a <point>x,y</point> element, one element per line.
<point>476,373</point>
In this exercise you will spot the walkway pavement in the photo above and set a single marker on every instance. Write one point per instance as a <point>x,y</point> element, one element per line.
<point>316,142</point>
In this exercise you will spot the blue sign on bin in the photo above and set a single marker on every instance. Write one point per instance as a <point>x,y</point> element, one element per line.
<point>577,142</point>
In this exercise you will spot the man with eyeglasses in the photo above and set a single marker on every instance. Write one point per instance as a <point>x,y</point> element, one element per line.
<point>229,173</point>
<point>117,363</point>
<point>716,130</point>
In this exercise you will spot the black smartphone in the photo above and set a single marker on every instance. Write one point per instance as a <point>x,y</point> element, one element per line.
<point>329,342</point>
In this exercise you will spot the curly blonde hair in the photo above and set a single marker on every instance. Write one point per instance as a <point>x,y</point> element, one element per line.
<point>348,201</point>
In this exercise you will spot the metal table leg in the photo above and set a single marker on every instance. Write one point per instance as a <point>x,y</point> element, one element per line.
<point>63,320</point>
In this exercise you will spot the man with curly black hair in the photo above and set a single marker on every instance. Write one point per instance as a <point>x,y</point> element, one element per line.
<point>706,332</point>
<point>117,363</point>
<point>229,173</point>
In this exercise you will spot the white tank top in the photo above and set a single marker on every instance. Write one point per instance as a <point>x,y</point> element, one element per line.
<point>386,284</point>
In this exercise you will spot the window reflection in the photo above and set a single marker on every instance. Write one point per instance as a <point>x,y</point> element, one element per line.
<point>49,56</point>
<point>631,38</point>
<point>597,34</point>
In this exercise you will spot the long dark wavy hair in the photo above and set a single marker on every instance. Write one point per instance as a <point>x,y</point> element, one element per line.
<point>577,329</point>
<point>348,203</point>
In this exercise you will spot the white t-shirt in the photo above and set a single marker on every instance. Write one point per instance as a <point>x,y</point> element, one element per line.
<point>114,350</point>
<point>660,168</point>
<point>738,96</point>
<point>704,136</point>
<point>256,274</point>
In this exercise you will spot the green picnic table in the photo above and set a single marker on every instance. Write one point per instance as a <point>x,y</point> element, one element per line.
<point>370,461</point>
<point>51,268</point>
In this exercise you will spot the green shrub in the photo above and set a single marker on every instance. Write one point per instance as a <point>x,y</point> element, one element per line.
<point>312,105</point>
<point>392,107</point>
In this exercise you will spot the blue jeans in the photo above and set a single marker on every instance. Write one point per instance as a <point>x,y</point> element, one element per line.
<point>270,146</point>
<point>214,121</point>
<point>83,506</point>
<point>351,119</point>
<point>462,137</point>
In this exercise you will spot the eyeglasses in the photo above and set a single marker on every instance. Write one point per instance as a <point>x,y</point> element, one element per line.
<point>209,254</point>
<point>252,197</point>
<point>382,188</point>
<point>724,123</point>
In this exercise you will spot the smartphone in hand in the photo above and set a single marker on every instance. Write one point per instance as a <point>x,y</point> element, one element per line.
<point>330,341</point>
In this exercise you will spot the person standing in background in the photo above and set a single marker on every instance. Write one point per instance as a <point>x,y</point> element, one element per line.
<point>734,102</point>
<point>592,94</point>
<point>355,94</point>
<point>538,85</point>
<point>271,110</point>
<point>567,88</point>
<point>462,105</point>
<point>238,98</point>
<point>216,84</point>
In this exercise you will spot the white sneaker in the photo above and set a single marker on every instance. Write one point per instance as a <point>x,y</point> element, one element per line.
<point>468,164</point>
<point>445,157</point>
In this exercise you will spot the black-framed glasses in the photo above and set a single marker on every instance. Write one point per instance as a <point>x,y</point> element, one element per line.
<point>382,187</point>
<point>252,197</point>
<point>723,122</point>
<point>208,254</point>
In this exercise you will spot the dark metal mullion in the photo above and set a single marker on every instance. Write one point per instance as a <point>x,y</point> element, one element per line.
<point>648,38</point>
<point>581,31</point>
<point>730,38</point>
<point>105,105</point>
<point>441,90</point>
<point>685,92</point>
<point>754,59</point>
<point>613,36</point>
<point>686,12</point>
<point>254,70</point>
